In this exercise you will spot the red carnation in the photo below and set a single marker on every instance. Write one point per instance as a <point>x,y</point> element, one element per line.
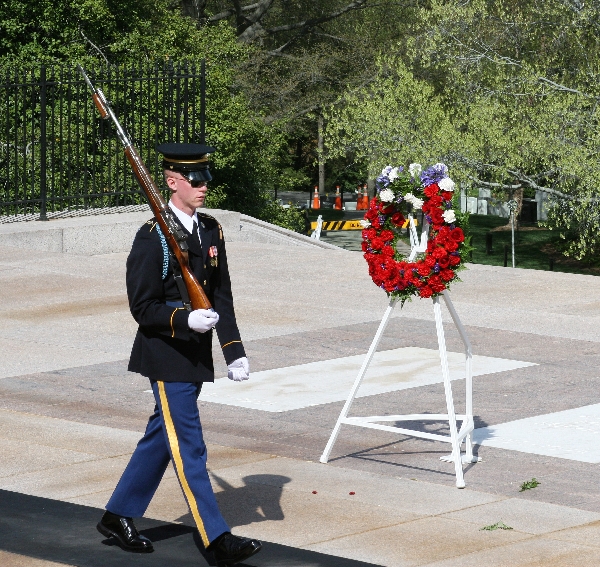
<point>425,291</point>
<point>375,223</point>
<point>437,287</point>
<point>457,235</point>
<point>377,243</point>
<point>371,214</point>
<point>387,251</point>
<point>454,260</point>
<point>439,253</point>
<point>437,216</point>
<point>429,261</point>
<point>447,195</point>
<point>451,245</point>
<point>431,190</point>
<point>444,262</point>
<point>435,201</point>
<point>423,269</point>
<point>446,275</point>
<point>398,219</point>
<point>387,235</point>
<point>365,246</point>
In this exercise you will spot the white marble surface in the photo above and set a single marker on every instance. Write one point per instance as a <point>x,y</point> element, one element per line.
<point>571,434</point>
<point>327,381</point>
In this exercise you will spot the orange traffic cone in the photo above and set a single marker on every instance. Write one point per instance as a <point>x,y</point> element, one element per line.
<point>316,202</point>
<point>338,199</point>
<point>361,205</point>
<point>366,196</point>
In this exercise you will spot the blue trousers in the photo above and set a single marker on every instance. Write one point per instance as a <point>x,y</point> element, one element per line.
<point>173,433</point>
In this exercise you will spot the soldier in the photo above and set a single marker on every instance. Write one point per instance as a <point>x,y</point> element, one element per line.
<point>173,348</point>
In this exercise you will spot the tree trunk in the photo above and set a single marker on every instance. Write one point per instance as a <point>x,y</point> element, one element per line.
<point>517,196</point>
<point>321,155</point>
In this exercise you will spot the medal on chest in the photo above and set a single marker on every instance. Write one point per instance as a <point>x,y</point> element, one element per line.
<point>213,253</point>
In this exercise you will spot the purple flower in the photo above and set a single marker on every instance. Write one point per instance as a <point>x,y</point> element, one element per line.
<point>382,182</point>
<point>434,174</point>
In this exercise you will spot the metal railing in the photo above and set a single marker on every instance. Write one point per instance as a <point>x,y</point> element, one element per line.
<point>57,154</point>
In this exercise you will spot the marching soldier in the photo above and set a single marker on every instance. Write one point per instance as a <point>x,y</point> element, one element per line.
<point>173,348</point>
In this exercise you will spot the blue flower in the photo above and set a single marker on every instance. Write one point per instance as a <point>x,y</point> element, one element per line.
<point>434,174</point>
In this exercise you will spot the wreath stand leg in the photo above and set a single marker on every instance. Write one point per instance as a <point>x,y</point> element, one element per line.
<point>456,436</point>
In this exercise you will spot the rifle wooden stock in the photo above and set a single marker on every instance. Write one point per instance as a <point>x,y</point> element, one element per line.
<point>174,235</point>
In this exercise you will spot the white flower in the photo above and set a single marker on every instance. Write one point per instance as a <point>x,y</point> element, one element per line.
<point>387,196</point>
<point>449,216</point>
<point>365,223</point>
<point>446,184</point>
<point>414,201</point>
<point>392,175</point>
<point>414,169</point>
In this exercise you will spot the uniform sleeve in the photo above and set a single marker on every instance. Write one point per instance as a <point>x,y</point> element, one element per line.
<point>227,329</point>
<point>145,288</point>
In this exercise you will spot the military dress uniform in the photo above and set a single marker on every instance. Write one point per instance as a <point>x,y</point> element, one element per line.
<point>177,360</point>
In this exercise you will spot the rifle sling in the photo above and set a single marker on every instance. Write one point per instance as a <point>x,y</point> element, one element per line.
<point>185,296</point>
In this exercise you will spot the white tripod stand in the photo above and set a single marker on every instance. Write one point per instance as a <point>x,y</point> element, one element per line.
<point>456,437</point>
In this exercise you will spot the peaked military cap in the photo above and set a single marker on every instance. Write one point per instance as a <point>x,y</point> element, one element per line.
<point>187,158</point>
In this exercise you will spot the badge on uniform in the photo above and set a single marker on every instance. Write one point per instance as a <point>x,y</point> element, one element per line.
<point>213,253</point>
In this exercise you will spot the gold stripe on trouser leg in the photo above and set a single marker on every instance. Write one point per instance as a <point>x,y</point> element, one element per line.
<point>178,461</point>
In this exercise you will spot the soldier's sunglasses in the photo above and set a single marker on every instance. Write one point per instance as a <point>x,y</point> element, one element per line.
<point>196,178</point>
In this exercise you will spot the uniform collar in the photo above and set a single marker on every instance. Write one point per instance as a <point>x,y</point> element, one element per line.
<point>184,218</point>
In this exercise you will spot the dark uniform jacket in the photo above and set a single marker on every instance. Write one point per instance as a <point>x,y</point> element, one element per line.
<point>165,348</point>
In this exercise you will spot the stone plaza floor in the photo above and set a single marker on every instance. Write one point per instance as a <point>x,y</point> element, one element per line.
<point>71,414</point>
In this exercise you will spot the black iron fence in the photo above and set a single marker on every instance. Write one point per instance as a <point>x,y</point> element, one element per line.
<point>57,154</point>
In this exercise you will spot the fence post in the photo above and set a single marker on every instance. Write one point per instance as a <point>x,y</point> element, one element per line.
<point>43,144</point>
<point>488,243</point>
<point>203,102</point>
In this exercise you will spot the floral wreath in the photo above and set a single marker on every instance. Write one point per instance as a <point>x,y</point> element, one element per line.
<point>432,271</point>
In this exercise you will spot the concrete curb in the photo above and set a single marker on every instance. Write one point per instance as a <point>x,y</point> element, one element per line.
<point>254,230</point>
<point>110,233</point>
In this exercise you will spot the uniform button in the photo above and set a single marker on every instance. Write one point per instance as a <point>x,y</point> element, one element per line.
<point>205,266</point>
<point>204,282</point>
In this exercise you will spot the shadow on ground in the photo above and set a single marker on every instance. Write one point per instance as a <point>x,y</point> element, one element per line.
<point>66,533</point>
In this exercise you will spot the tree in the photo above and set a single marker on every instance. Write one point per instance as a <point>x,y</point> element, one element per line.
<point>126,32</point>
<point>506,92</point>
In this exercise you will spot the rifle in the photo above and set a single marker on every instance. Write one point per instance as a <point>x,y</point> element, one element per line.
<point>174,235</point>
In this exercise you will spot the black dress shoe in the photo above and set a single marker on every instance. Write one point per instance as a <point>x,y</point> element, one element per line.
<point>229,549</point>
<point>123,530</point>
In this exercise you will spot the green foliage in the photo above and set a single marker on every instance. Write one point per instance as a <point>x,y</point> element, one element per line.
<point>497,526</point>
<point>504,92</point>
<point>529,484</point>
<point>248,160</point>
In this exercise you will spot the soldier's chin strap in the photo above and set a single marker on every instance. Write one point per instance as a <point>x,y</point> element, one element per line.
<point>185,297</point>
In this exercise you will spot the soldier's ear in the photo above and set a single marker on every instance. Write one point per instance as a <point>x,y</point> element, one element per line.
<point>171,183</point>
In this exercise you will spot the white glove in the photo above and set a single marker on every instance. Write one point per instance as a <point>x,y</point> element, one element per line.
<point>239,370</point>
<point>202,320</point>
